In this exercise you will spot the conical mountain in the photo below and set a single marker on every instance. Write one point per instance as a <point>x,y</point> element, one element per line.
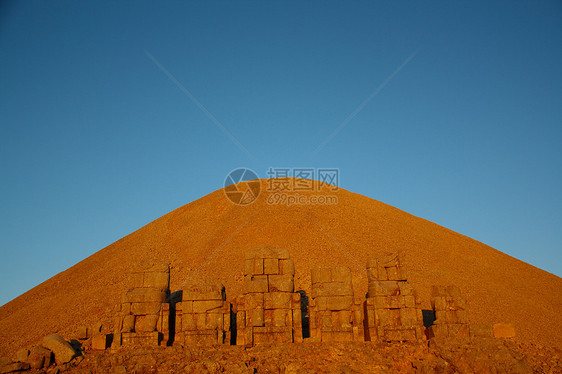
<point>206,240</point>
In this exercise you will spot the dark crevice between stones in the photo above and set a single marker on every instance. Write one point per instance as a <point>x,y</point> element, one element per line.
<point>233,327</point>
<point>174,298</point>
<point>366,331</point>
<point>428,317</point>
<point>304,315</point>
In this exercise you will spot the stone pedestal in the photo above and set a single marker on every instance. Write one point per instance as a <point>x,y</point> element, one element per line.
<point>393,307</point>
<point>203,316</point>
<point>269,310</point>
<point>451,320</point>
<point>143,317</point>
<point>335,315</point>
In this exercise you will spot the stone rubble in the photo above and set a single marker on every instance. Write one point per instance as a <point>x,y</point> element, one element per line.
<point>62,350</point>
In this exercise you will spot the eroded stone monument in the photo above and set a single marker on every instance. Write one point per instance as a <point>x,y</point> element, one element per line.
<point>393,307</point>
<point>143,318</point>
<point>269,310</point>
<point>203,316</point>
<point>449,307</point>
<point>335,315</point>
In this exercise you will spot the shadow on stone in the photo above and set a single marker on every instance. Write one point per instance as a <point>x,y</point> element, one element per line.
<point>366,322</point>
<point>428,317</point>
<point>304,315</point>
<point>77,346</point>
<point>174,298</point>
<point>233,329</point>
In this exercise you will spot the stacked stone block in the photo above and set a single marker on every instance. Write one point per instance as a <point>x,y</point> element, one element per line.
<point>203,316</point>
<point>144,312</point>
<point>334,313</point>
<point>269,310</point>
<point>393,307</point>
<point>450,313</point>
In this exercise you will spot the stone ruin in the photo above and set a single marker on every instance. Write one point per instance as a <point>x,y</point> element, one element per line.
<point>449,306</point>
<point>393,307</point>
<point>269,310</point>
<point>203,316</point>
<point>144,314</point>
<point>335,315</point>
<point>53,349</point>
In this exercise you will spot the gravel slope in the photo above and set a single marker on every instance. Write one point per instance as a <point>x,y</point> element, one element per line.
<point>206,240</point>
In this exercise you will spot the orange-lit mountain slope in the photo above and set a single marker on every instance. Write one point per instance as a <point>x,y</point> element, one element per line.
<point>206,240</point>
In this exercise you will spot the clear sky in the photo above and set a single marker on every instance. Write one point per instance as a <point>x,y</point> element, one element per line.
<point>113,114</point>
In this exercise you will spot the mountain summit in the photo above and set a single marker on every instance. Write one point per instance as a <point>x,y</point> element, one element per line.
<point>205,241</point>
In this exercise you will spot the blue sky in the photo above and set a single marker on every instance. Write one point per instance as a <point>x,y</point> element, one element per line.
<point>98,134</point>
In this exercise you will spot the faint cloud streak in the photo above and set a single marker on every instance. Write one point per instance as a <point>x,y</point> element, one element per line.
<point>364,103</point>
